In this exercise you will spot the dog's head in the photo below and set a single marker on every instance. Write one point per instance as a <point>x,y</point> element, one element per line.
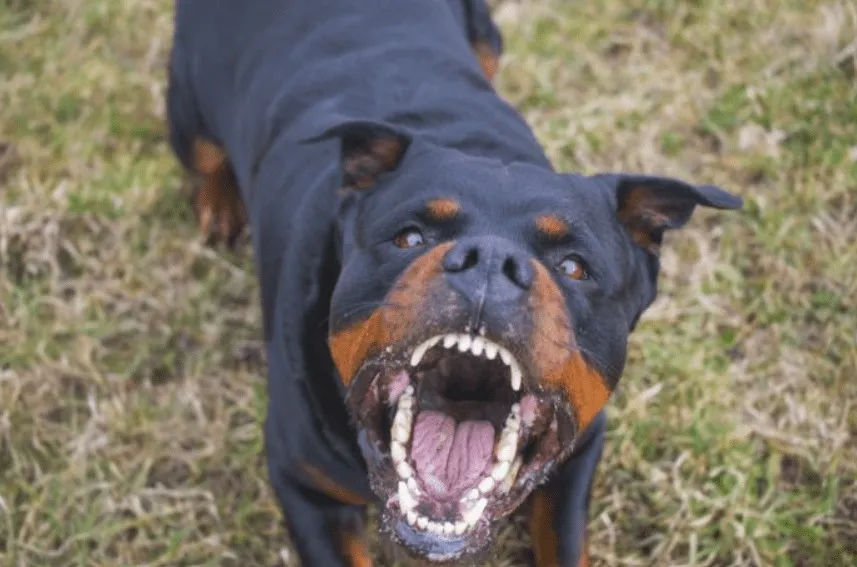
<point>480,320</point>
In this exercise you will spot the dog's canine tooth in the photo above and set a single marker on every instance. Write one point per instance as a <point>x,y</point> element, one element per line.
<point>449,340</point>
<point>418,353</point>
<point>407,501</point>
<point>491,350</point>
<point>477,346</point>
<point>505,355</point>
<point>486,485</point>
<point>397,452</point>
<point>506,448</point>
<point>500,470</point>
<point>464,343</point>
<point>516,376</point>
<point>509,481</point>
<point>473,515</point>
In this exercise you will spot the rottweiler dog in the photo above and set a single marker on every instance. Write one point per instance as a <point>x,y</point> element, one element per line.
<point>445,315</point>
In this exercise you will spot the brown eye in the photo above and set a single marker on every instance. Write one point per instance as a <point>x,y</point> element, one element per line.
<point>572,267</point>
<point>409,238</point>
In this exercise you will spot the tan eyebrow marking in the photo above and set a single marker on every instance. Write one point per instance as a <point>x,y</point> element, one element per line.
<point>552,226</point>
<point>443,209</point>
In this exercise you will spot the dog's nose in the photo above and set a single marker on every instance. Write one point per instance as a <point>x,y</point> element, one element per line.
<point>488,268</point>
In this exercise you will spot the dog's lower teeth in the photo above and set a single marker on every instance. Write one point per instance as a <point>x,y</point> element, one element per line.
<point>486,484</point>
<point>405,471</point>
<point>397,452</point>
<point>412,517</point>
<point>422,522</point>
<point>500,470</point>
<point>475,513</point>
<point>406,500</point>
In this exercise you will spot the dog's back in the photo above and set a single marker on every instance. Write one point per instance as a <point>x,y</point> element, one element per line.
<point>284,70</point>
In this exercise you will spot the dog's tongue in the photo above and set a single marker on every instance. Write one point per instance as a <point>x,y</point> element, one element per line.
<point>450,457</point>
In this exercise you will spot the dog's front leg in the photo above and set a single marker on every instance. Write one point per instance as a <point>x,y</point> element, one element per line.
<point>559,513</point>
<point>324,531</point>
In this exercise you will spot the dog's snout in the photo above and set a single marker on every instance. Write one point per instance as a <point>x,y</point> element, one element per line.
<point>495,265</point>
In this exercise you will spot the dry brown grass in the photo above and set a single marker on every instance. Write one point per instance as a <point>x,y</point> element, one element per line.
<point>130,371</point>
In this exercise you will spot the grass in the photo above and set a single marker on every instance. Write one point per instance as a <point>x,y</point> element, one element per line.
<point>131,391</point>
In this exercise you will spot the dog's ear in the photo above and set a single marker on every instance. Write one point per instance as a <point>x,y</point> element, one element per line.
<point>648,206</point>
<point>368,149</point>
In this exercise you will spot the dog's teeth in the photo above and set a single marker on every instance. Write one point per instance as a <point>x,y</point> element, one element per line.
<point>435,527</point>
<point>412,485</point>
<point>475,513</point>
<point>418,353</point>
<point>482,330</point>
<point>478,346</point>
<point>490,350</point>
<point>448,528</point>
<point>506,450</point>
<point>449,341</point>
<point>397,452</point>
<point>460,527</point>
<point>474,494</point>
<point>505,355</point>
<point>516,376</point>
<point>509,481</point>
<point>401,432</point>
<point>405,472</point>
<point>464,343</point>
<point>412,517</point>
<point>406,402</point>
<point>486,485</point>
<point>406,499</point>
<point>500,470</point>
<point>422,522</point>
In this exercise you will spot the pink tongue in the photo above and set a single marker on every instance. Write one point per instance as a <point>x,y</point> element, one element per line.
<point>450,458</point>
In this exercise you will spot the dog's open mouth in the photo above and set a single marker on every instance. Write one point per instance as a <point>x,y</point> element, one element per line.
<point>460,437</point>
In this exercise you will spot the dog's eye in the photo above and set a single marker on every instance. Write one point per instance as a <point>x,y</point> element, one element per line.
<point>572,267</point>
<point>409,238</point>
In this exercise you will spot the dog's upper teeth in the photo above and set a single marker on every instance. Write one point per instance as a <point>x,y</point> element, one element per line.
<point>505,355</point>
<point>449,340</point>
<point>516,376</point>
<point>464,343</point>
<point>421,350</point>
<point>477,346</point>
<point>491,351</point>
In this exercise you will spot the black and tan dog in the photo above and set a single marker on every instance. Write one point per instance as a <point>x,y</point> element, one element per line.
<point>445,315</point>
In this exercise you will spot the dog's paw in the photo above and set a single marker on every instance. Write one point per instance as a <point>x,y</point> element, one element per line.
<point>216,198</point>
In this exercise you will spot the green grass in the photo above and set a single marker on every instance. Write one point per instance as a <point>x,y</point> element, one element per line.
<point>131,391</point>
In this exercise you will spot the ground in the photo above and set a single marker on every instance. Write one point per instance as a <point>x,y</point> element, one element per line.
<point>131,370</point>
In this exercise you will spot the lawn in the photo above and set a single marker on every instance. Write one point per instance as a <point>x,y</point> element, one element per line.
<point>131,366</point>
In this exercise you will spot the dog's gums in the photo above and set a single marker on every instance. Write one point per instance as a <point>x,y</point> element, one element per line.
<point>462,438</point>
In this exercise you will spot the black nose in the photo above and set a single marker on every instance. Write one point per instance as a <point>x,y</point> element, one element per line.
<point>488,268</point>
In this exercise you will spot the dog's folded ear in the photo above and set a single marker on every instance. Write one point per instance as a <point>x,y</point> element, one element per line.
<point>368,149</point>
<point>648,205</point>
